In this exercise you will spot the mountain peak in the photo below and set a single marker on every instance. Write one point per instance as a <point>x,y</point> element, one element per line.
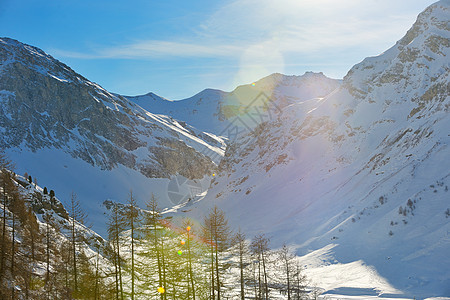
<point>207,93</point>
<point>433,19</point>
<point>278,77</point>
<point>416,59</point>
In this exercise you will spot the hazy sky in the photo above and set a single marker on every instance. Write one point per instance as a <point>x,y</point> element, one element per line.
<point>178,48</point>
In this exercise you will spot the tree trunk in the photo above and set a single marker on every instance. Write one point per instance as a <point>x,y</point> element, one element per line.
<point>259,277</point>
<point>75,273</point>
<point>3,251</point>
<point>132,259</point>
<point>217,273</point>
<point>120,265</point>
<point>241,267</point>
<point>13,253</point>
<point>266,288</point>
<point>288,280</point>
<point>212,271</point>
<point>96,292</point>
<point>47,233</point>
<point>191,275</point>
<point>116,270</point>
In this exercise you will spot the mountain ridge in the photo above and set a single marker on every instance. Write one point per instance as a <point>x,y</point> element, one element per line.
<point>211,110</point>
<point>363,168</point>
<point>56,123</point>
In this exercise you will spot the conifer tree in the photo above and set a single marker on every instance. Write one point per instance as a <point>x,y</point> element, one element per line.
<point>207,232</point>
<point>48,238</point>
<point>153,220</point>
<point>115,226</point>
<point>187,224</point>
<point>260,248</point>
<point>131,219</point>
<point>217,230</point>
<point>31,246</point>
<point>77,216</point>
<point>13,251</point>
<point>7,186</point>
<point>242,250</point>
<point>299,281</point>
<point>286,258</point>
<point>5,163</point>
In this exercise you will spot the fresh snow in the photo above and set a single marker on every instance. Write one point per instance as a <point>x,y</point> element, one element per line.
<point>354,174</point>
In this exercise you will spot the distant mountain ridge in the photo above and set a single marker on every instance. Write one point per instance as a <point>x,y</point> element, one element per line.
<point>209,109</point>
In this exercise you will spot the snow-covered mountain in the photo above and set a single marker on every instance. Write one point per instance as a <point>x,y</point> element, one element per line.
<point>47,105</point>
<point>355,174</point>
<point>359,177</point>
<point>74,135</point>
<point>212,110</point>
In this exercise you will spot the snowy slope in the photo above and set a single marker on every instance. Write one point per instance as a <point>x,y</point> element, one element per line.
<point>355,176</point>
<point>42,204</point>
<point>72,134</point>
<point>365,168</point>
<point>47,105</point>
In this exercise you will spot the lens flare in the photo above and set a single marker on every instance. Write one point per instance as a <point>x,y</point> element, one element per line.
<point>180,252</point>
<point>161,290</point>
<point>188,228</point>
<point>258,61</point>
<point>182,242</point>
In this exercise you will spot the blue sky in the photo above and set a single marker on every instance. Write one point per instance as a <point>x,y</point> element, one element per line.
<point>178,48</point>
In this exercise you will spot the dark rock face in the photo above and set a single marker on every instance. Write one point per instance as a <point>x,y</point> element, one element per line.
<point>45,104</point>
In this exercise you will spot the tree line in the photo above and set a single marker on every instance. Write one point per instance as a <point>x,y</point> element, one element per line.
<point>44,259</point>
<point>195,260</point>
<point>144,256</point>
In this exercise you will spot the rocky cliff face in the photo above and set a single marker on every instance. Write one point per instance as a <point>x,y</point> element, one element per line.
<point>45,104</point>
